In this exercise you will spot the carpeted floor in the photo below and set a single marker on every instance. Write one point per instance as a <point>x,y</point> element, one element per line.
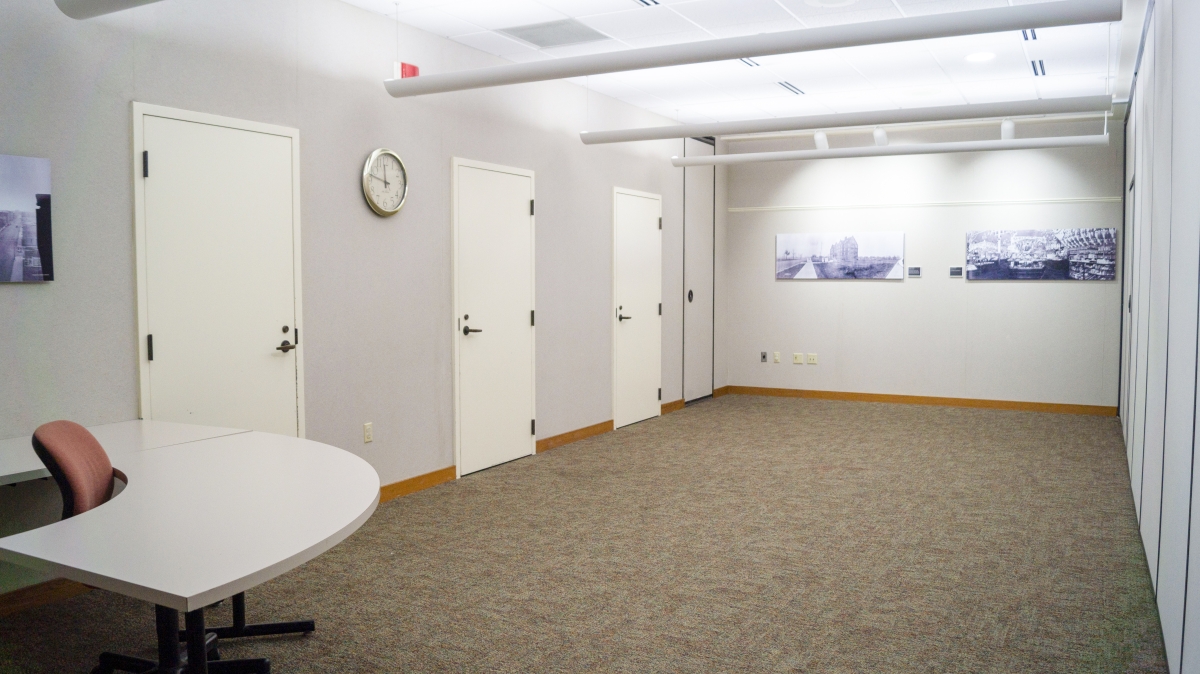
<point>741,534</point>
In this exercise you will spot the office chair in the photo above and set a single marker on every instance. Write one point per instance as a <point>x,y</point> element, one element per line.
<point>85,476</point>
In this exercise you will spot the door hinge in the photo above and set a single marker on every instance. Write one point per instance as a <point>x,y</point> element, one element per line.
<point>660,308</point>
<point>533,426</point>
<point>531,323</point>
<point>149,347</point>
<point>660,223</point>
<point>145,163</point>
<point>296,336</point>
<point>531,206</point>
<point>660,395</point>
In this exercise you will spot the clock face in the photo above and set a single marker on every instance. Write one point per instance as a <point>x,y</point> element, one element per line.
<point>385,182</point>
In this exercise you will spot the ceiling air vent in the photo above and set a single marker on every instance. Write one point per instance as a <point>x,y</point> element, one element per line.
<point>554,33</point>
<point>1039,68</point>
<point>646,3</point>
<point>1029,34</point>
<point>750,62</point>
<point>791,87</point>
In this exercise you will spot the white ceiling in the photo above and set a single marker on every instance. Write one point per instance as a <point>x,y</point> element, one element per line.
<point>1078,60</point>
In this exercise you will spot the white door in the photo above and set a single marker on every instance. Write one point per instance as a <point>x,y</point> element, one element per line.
<point>218,254</point>
<point>494,322</point>
<point>637,306</point>
<point>698,232</point>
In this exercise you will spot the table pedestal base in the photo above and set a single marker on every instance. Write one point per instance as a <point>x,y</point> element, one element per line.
<point>200,657</point>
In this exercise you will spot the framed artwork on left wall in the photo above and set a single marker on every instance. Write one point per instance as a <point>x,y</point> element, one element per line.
<point>26,253</point>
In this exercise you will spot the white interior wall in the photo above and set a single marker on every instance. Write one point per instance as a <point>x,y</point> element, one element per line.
<point>376,291</point>
<point>1055,342</point>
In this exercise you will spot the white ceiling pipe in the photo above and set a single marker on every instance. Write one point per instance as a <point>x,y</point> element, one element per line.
<point>86,9</point>
<point>1052,106</point>
<point>974,22</point>
<point>893,150</point>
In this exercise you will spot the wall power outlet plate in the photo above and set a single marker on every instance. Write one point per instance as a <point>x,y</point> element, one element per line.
<point>368,432</point>
<point>764,357</point>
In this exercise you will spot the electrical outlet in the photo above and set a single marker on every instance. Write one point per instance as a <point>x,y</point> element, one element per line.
<point>764,356</point>
<point>368,432</point>
<point>797,359</point>
<point>812,359</point>
<point>776,356</point>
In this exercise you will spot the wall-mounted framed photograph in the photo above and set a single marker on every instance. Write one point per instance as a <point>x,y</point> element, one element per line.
<point>1042,255</point>
<point>26,252</point>
<point>838,255</point>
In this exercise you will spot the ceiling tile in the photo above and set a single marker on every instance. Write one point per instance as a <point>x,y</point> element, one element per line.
<point>1008,59</point>
<point>856,101</point>
<point>795,106</point>
<point>815,72</point>
<point>858,16</point>
<point>438,22</point>
<point>711,14</point>
<point>1055,86</point>
<point>808,8</point>
<point>528,56</point>
<point>639,23</point>
<point>998,91</point>
<point>927,96</point>
<point>493,43</point>
<point>894,65</point>
<point>492,14</point>
<point>1072,50</point>
<point>728,111</point>
<point>578,8</point>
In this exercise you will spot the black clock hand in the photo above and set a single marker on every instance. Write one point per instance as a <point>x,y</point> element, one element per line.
<point>385,182</point>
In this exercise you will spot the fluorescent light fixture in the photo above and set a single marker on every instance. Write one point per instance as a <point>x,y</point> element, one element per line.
<point>893,150</point>
<point>1049,106</point>
<point>980,57</point>
<point>86,9</point>
<point>950,24</point>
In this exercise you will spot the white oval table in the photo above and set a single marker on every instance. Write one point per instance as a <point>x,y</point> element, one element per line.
<point>203,521</point>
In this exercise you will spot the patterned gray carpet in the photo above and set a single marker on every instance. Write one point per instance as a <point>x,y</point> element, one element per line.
<point>741,534</point>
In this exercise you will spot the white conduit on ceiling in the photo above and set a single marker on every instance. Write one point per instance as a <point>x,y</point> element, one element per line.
<point>974,22</point>
<point>1053,106</point>
<point>893,150</point>
<point>86,9</point>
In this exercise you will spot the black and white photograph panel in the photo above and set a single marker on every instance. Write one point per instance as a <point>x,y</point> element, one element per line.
<point>837,255</point>
<point>25,252</point>
<point>1042,255</point>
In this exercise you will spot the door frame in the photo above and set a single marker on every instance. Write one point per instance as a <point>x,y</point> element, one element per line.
<point>455,164</point>
<point>140,112</point>
<point>613,303</point>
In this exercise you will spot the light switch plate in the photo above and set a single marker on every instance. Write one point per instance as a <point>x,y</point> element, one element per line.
<point>776,356</point>
<point>798,358</point>
<point>812,359</point>
<point>368,432</point>
<point>764,356</point>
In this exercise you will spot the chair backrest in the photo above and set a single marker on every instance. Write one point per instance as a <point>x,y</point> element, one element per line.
<point>78,463</point>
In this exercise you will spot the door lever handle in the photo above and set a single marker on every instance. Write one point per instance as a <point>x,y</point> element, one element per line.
<point>623,318</point>
<point>285,347</point>
<point>467,330</point>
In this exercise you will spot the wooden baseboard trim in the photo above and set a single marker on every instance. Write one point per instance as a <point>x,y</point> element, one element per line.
<point>415,484</point>
<point>573,436</point>
<point>1055,408</point>
<point>722,391</point>
<point>673,406</point>
<point>39,595</point>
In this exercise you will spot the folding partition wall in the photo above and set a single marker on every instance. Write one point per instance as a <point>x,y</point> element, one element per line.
<point>1161,311</point>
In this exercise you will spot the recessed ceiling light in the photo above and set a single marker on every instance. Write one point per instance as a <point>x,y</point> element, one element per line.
<point>981,57</point>
<point>829,3</point>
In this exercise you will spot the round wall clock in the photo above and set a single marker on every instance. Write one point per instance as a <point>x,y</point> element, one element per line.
<point>385,182</point>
